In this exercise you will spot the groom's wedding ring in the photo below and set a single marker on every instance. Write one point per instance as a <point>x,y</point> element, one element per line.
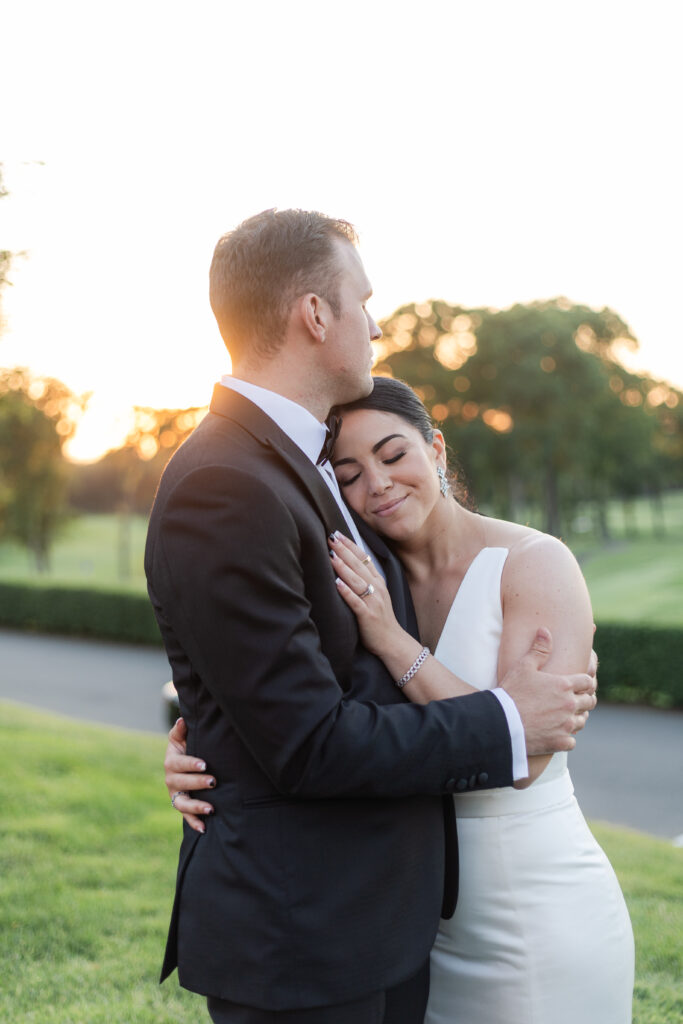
<point>181,792</point>
<point>370,590</point>
<point>366,560</point>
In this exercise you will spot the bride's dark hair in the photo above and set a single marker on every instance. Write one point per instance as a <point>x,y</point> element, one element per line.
<point>397,397</point>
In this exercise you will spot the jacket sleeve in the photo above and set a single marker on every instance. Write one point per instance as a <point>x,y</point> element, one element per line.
<point>227,570</point>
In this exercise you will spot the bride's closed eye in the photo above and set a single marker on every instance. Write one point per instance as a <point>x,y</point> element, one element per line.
<point>351,480</point>
<point>386,462</point>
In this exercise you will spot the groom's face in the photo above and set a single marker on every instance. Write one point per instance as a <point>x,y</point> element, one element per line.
<point>348,349</point>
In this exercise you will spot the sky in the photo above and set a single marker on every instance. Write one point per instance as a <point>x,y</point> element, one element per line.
<point>488,153</point>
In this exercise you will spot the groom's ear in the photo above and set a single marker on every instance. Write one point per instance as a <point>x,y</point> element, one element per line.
<point>314,314</point>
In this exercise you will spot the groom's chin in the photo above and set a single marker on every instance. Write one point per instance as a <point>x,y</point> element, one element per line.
<point>354,391</point>
<point>368,387</point>
<point>365,386</point>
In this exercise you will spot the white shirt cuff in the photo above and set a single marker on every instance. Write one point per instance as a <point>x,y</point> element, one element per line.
<point>520,765</point>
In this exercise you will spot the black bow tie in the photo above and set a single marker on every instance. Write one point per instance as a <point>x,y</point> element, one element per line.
<point>333,427</point>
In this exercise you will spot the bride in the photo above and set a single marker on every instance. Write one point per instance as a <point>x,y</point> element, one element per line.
<point>541,934</point>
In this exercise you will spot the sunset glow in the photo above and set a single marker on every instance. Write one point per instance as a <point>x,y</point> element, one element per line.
<point>479,163</point>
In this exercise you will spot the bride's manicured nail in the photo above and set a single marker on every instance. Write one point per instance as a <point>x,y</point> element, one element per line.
<point>212,783</point>
<point>332,554</point>
<point>331,537</point>
<point>201,766</point>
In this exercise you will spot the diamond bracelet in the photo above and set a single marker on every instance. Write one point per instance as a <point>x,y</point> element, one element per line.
<point>420,660</point>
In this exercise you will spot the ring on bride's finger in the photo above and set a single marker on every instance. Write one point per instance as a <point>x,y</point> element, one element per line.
<point>366,560</point>
<point>181,792</point>
<point>370,590</point>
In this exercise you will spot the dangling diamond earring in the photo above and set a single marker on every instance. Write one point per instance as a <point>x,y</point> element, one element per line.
<point>444,486</point>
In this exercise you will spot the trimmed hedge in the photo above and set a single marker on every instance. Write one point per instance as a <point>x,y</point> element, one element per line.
<point>638,664</point>
<point>77,611</point>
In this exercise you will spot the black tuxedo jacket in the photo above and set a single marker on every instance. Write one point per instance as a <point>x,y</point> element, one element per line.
<point>322,873</point>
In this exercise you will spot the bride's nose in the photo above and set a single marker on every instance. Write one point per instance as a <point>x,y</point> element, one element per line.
<point>379,480</point>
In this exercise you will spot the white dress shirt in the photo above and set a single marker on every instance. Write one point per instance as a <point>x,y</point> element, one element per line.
<point>309,435</point>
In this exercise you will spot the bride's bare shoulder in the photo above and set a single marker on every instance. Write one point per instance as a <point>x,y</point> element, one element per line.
<point>529,548</point>
<point>499,533</point>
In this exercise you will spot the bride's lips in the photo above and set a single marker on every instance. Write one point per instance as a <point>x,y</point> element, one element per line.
<point>388,507</point>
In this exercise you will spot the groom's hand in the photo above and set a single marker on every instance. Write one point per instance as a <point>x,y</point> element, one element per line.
<point>182,775</point>
<point>553,708</point>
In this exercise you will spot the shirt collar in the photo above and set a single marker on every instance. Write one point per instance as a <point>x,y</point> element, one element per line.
<point>298,423</point>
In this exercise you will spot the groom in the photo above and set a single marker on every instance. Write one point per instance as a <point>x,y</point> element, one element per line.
<point>315,893</point>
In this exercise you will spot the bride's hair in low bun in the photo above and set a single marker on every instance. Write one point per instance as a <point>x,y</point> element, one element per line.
<point>395,396</point>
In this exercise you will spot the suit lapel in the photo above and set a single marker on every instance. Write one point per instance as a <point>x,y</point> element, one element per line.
<point>235,407</point>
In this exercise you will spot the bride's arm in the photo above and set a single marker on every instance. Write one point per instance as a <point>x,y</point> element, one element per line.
<point>382,634</point>
<point>542,584</point>
<point>543,587</point>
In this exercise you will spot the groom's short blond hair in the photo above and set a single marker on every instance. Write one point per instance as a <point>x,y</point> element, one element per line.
<point>261,267</point>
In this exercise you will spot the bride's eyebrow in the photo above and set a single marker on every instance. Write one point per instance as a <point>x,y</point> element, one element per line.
<point>375,449</point>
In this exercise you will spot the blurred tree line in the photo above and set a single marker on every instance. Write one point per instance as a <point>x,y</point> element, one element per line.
<point>538,408</point>
<point>125,479</point>
<point>533,400</point>
<point>40,489</point>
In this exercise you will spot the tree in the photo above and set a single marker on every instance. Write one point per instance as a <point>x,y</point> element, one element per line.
<point>126,478</point>
<point>155,435</point>
<point>534,401</point>
<point>36,417</point>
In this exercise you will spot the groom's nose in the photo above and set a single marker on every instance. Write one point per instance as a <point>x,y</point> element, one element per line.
<point>375,329</point>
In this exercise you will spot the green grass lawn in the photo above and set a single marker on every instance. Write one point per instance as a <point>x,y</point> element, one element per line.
<point>87,862</point>
<point>637,578</point>
<point>93,550</point>
<point>639,581</point>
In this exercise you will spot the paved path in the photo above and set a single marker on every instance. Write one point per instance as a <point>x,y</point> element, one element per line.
<point>118,684</point>
<point>627,768</point>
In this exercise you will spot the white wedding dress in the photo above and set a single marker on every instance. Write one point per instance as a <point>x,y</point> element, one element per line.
<point>541,934</point>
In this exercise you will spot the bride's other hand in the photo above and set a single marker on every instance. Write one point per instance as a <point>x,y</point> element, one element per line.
<point>183,774</point>
<point>357,576</point>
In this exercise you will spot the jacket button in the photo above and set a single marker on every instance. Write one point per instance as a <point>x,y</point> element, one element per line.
<point>450,786</point>
<point>483,778</point>
<point>473,781</point>
<point>461,785</point>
